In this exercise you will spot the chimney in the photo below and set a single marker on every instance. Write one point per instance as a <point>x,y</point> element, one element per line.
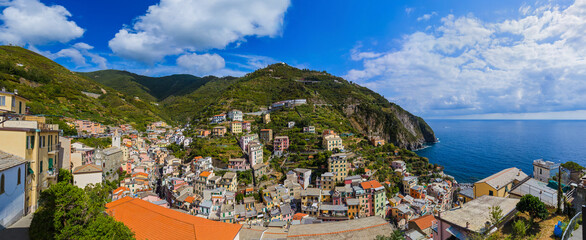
<point>467,225</point>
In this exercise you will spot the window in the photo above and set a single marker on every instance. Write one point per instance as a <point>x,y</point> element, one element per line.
<point>2,184</point>
<point>19,107</point>
<point>41,167</point>
<point>490,193</point>
<point>540,171</point>
<point>2,100</point>
<point>19,173</point>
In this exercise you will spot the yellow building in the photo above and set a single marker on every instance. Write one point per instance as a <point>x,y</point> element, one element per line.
<point>38,143</point>
<point>338,165</point>
<point>499,184</point>
<point>311,198</point>
<point>219,131</point>
<point>236,127</point>
<point>229,181</point>
<point>12,102</point>
<point>266,118</point>
<point>331,142</point>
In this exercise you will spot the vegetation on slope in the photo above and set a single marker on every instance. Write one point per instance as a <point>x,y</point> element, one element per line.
<point>54,90</point>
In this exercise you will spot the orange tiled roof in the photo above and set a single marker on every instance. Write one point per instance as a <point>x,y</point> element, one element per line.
<point>198,157</point>
<point>205,174</point>
<point>299,216</point>
<point>189,199</point>
<point>139,216</point>
<point>250,189</point>
<point>140,173</point>
<point>424,222</point>
<point>121,189</point>
<point>370,184</point>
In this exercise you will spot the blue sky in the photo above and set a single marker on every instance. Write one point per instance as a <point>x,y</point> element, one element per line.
<point>437,59</point>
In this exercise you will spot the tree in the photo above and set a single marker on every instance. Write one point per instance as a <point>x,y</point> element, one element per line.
<point>396,235</point>
<point>519,229</point>
<point>239,197</point>
<point>64,176</point>
<point>532,206</point>
<point>496,214</point>
<point>68,212</point>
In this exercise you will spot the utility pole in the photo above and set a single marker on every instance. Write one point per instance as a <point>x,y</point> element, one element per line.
<point>559,210</point>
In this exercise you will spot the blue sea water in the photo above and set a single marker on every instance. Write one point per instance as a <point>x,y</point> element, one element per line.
<point>471,150</point>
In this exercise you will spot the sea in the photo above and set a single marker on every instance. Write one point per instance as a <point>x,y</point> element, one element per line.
<point>471,150</point>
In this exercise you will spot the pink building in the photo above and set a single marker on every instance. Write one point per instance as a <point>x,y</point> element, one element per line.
<point>281,143</point>
<point>246,126</point>
<point>89,127</point>
<point>238,163</point>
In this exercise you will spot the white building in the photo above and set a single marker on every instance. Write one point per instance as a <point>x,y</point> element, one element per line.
<point>544,170</point>
<point>246,139</point>
<point>303,176</point>
<point>235,115</point>
<point>87,174</point>
<point>255,153</point>
<point>12,184</point>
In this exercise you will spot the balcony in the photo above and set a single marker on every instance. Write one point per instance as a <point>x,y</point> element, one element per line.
<point>51,173</point>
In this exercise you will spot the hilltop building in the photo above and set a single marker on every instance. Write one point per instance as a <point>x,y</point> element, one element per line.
<point>331,142</point>
<point>266,135</point>
<point>266,118</point>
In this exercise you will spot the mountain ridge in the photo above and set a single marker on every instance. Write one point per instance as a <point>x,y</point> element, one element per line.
<point>114,96</point>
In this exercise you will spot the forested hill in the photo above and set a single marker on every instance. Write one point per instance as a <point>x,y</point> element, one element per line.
<point>55,90</point>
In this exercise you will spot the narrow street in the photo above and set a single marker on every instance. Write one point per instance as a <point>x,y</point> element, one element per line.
<point>18,230</point>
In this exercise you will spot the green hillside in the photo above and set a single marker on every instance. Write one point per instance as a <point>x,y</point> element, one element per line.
<point>55,90</point>
<point>149,88</point>
<point>113,97</point>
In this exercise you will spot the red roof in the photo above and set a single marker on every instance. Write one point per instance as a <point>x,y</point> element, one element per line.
<point>205,174</point>
<point>370,184</point>
<point>299,216</point>
<point>139,216</point>
<point>189,199</point>
<point>424,222</point>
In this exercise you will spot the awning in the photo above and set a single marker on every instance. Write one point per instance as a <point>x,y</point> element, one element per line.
<point>456,233</point>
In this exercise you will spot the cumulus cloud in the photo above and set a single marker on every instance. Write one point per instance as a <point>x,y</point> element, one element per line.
<point>79,54</point>
<point>32,22</point>
<point>201,63</point>
<point>536,63</point>
<point>176,26</point>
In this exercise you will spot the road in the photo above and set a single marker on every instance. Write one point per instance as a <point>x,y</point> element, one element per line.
<point>18,230</point>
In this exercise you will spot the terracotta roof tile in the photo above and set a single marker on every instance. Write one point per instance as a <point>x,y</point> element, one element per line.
<point>139,216</point>
<point>299,216</point>
<point>205,174</point>
<point>424,222</point>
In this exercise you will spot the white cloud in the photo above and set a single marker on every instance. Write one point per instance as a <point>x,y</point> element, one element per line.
<point>71,53</point>
<point>426,17</point>
<point>176,26</point>
<point>409,10</point>
<point>254,62</point>
<point>78,54</point>
<point>466,66</point>
<point>201,64</point>
<point>32,22</point>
